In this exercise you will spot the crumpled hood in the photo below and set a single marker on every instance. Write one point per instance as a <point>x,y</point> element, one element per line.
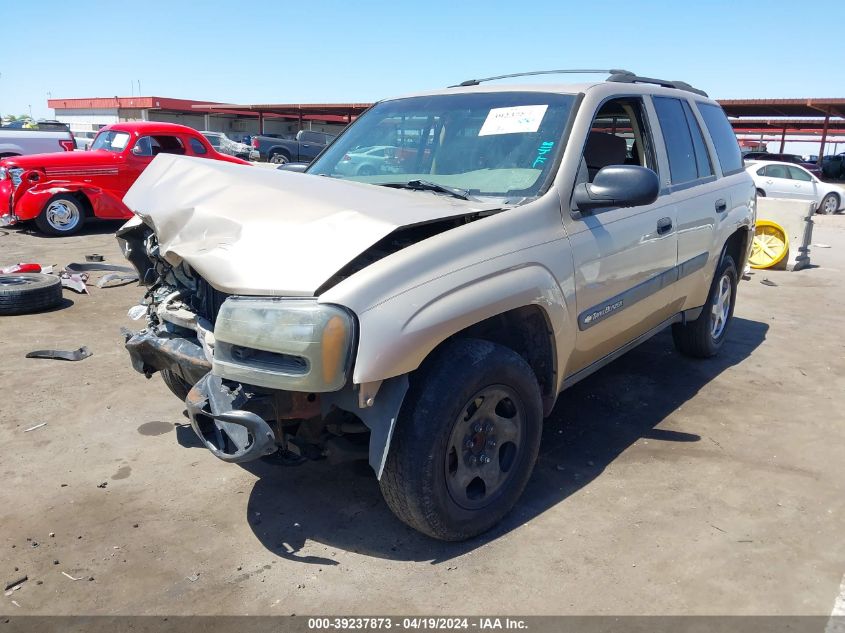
<point>258,231</point>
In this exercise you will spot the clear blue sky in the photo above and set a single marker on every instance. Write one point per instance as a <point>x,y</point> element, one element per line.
<point>333,51</point>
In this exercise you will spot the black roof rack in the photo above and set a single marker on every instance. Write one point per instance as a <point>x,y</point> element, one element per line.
<point>626,77</point>
<point>614,73</point>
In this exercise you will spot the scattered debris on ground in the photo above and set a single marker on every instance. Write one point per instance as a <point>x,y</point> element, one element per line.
<point>57,354</point>
<point>12,585</point>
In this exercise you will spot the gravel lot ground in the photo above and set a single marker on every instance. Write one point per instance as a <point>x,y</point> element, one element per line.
<point>665,485</point>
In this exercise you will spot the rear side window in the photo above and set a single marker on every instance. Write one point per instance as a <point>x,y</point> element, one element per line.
<point>312,137</point>
<point>724,139</point>
<point>777,171</point>
<point>197,147</point>
<point>677,138</point>
<point>799,174</point>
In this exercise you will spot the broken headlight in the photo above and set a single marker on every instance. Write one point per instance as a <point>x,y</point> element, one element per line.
<point>287,344</point>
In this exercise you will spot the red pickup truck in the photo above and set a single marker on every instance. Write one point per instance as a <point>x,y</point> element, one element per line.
<point>62,190</point>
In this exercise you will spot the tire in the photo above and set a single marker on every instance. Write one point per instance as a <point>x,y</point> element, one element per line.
<point>278,158</point>
<point>445,432</point>
<point>366,170</point>
<point>61,215</point>
<point>177,386</point>
<point>23,293</point>
<point>703,337</point>
<point>829,204</point>
<point>761,193</point>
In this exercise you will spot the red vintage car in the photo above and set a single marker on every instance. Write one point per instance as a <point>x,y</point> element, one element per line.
<point>62,190</point>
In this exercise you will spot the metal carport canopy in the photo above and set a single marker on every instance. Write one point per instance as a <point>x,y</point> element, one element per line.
<point>826,115</point>
<point>331,112</point>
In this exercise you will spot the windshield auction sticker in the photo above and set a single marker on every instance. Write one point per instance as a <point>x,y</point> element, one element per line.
<point>515,120</point>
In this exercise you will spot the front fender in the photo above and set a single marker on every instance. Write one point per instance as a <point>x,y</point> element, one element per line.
<point>397,335</point>
<point>103,204</point>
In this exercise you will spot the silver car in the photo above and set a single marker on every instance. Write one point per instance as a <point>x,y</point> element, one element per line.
<point>784,180</point>
<point>225,145</point>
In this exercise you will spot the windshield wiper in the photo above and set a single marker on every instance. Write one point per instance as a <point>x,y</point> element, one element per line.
<point>427,185</point>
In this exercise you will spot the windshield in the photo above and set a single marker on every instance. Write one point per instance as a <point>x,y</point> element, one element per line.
<point>501,144</point>
<point>111,141</point>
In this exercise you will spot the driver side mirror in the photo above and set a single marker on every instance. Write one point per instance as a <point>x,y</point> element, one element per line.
<point>617,186</point>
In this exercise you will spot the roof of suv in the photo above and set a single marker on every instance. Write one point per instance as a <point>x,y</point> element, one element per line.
<point>610,87</point>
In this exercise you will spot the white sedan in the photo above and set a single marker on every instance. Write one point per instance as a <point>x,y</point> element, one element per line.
<point>785,180</point>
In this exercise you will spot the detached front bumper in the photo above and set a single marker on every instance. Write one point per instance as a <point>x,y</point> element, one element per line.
<point>233,435</point>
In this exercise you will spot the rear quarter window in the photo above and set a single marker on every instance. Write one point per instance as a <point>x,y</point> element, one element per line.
<point>724,139</point>
<point>197,147</point>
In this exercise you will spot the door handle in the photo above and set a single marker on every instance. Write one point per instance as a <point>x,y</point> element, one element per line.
<point>721,205</point>
<point>664,225</point>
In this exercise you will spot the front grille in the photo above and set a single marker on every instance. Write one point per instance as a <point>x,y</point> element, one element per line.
<point>206,301</point>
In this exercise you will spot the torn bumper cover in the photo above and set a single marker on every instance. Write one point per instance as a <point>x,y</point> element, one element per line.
<point>233,435</point>
<point>151,352</point>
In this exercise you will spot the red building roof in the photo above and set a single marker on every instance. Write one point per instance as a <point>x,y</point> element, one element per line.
<point>161,103</point>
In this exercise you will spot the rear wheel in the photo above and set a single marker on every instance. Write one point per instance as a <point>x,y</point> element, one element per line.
<point>278,158</point>
<point>62,215</point>
<point>703,337</point>
<point>761,193</point>
<point>465,442</point>
<point>829,204</point>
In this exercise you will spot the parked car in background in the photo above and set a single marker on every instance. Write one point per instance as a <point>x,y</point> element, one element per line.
<point>833,166</point>
<point>778,180</point>
<point>61,191</point>
<point>369,161</point>
<point>84,140</point>
<point>225,145</point>
<point>45,125</point>
<point>20,141</point>
<point>304,148</point>
<point>795,159</point>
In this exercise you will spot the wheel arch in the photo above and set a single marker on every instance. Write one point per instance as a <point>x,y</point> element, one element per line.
<point>527,331</point>
<point>279,149</point>
<point>737,246</point>
<point>523,309</point>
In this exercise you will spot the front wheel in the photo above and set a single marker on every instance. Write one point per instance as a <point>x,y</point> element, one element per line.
<point>177,386</point>
<point>829,204</point>
<point>62,215</point>
<point>703,337</point>
<point>465,442</point>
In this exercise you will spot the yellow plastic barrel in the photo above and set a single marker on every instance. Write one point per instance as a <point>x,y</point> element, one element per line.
<point>769,246</point>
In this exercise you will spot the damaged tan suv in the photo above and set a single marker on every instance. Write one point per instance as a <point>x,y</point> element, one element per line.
<point>438,275</point>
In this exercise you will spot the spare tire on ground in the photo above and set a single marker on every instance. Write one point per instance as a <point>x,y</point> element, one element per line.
<point>22,293</point>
